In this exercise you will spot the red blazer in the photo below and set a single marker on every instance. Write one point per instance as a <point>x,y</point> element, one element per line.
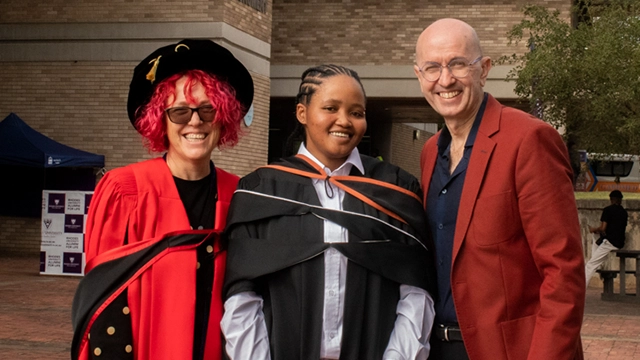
<point>142,201</point>
<point>517,274</point>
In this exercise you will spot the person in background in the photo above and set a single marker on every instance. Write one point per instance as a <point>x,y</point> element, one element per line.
<point>611,233</point>
<point>153,287</point>
<point>500,205</point>
<point>329,256</point>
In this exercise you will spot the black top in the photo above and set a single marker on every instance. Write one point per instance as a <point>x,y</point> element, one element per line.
<point>443,201</point>
<point>616,218</point>
<point>199,200</point>
<point>196,196</point>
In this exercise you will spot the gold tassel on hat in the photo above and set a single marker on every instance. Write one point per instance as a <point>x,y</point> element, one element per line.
<point>151,75</point>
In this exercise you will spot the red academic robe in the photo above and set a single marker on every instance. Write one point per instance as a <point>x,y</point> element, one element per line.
<point>140,203</point>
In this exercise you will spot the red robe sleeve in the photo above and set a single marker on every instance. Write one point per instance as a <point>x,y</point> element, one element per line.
<point>110,209</point>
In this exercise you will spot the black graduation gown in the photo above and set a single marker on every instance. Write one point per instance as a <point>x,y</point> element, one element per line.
<point>276,243</point>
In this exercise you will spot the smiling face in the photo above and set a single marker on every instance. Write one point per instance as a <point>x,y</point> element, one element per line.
<point>445,41</point>
<point>190,143</point>
<point>334,119</point>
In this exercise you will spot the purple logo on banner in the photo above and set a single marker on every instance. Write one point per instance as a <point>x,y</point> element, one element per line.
<point>73,223</point>
<point>87,200</point>
<point>56,203</point>
<point>72,263</point>
<point>43,257</point>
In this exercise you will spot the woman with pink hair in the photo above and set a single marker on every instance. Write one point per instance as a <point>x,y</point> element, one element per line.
<point>155,264</point>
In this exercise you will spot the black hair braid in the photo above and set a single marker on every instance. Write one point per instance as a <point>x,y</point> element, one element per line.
<point>312,79</point>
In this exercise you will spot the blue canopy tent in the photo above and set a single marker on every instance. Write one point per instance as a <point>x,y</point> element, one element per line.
<point>31,162</point>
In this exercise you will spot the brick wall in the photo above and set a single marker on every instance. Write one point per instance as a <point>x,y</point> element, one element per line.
<point>19,236</point>
<point>251,151</point>
<point>232,12</point>
<point>80,104</point>
<point>249,20</point>
<point>83,105</point>
<point>60,11</point>
<point>384,32</point>
<point>404,148</point>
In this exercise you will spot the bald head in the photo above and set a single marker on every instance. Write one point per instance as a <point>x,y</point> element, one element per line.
<point>452,32</point>
<point>456,92</point>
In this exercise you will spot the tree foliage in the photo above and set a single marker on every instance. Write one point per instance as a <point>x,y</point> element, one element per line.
<point>585,78</point>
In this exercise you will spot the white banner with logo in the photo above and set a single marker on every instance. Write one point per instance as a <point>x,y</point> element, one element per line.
<point>64,215</point>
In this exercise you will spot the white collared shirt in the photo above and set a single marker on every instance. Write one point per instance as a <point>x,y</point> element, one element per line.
<point>335,264</point>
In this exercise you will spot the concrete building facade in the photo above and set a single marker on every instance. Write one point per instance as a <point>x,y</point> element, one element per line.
<point>65,67</point>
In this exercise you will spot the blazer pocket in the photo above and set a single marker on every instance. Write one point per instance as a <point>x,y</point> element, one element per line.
<point>517,335</point>
<point>495,219</point>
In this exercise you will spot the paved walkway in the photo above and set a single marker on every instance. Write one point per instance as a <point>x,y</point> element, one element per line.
<point>611,330</point>
<point>35,317</point>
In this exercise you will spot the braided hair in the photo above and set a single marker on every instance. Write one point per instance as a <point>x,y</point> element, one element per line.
<point>311,80</point>
<point>313,77</point>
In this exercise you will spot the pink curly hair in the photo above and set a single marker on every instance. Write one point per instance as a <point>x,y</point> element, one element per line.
<point>150,119</point>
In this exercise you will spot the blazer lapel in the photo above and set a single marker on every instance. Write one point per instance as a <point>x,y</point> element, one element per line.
<point>480,155</point>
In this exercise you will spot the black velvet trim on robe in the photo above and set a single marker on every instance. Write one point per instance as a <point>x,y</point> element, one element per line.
<point>97,286</point>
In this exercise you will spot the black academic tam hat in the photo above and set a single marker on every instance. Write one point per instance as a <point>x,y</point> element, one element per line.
<point>186,55</point>
<point>615,194</point>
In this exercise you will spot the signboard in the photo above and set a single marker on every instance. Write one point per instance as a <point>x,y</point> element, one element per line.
<point>64,215</point>
<point>586,179</point>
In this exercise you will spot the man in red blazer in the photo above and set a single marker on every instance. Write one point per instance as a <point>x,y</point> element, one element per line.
<point>500,203</point>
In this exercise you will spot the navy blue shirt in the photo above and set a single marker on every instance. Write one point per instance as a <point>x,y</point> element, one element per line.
<point>443,201</point>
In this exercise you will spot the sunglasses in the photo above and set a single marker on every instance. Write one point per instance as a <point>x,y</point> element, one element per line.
<point>183,114</point>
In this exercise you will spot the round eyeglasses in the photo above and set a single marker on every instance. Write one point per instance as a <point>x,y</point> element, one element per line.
<point>183,114</point>
<point>459,68</point>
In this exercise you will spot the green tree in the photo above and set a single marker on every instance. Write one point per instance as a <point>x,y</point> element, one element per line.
<point>584,78</point>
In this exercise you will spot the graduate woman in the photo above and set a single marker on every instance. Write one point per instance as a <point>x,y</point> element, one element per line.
<point>153,286</point>
<point>328,254</point>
